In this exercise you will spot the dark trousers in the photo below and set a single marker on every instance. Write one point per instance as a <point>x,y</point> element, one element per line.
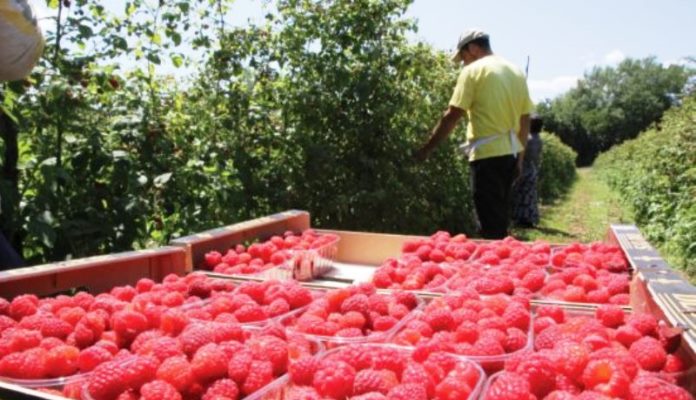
<point>491,182</point>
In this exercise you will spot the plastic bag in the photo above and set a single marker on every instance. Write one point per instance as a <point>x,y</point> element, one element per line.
<point>21,42</point>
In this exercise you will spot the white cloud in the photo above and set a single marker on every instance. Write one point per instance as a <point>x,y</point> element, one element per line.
<point>550,88</point>
<point>614,57</point>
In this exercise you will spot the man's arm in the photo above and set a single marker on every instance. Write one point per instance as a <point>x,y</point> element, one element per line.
<point>523,134</point>
<point>444,127</point>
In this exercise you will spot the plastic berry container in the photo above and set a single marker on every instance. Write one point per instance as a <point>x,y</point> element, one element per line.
<point>305,265</point>
<point>68,386</point>
<point>284,389</point>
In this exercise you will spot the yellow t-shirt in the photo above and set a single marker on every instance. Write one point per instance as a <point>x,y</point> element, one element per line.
<point>494,93</point>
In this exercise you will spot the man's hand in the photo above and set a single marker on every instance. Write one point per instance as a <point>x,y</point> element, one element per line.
<point>519,168</point>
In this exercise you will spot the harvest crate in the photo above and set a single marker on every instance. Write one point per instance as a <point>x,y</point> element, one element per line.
<point>94,274</point>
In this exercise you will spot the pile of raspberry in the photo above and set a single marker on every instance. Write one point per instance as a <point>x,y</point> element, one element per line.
<point>424,263</point>
<point>374,372</point>
<point>65,335</point>
<point>597,255</point>
<point>466,324</point>
<point>354,312</point>
<point>587,284</point>
<point>603,356</point>
<point>505,266</point>
<point>253,302</point>
<point>261,256</point>
<point>207,361</point>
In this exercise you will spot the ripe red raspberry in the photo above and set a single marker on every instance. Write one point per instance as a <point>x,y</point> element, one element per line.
<point>302,371</point>
<point>212,258</point>
<point>406,298</point>
<point>358,302</point>
<point>509,386</point>
<point>270,348</point>
<point>370,380</point>
<point>555,312</point>
<point>159,390</point>
<point>627,335</point>
<point>384,323</point>
<point>110,379</point>
<point>540,372</point>
<point>195,336</point>
<point>440,319</point>
<point>649,353</point>
<point>28,364</point>
<point>572,358</point>
<point>651,388</point>
<point>22,306</point>
<point>298,296</point>
<point>250,313</point>
<point>277,307</point>
<point>408,391</point>
<point>645,323</point>
<point>534,280</point>
<point>452,387</point>
<point>92,356</point>
<point>606,377</point>
<point>260,375</point>
<point>417,374</point>
<point>516,340</point>
<point>143,338</point>
<point>334,379</point>
<point>54,327</point>
<point>612,316</point>
<point>162,348</point>
<point>674,364</point>
<point>222,389</point>
<point>517,316</point>
<point>128,324</point>
<point>177,372</point>
<point>62,360</point>
<point>209,363</point>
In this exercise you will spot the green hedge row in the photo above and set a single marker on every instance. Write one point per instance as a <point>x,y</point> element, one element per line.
<point>557,172</point>
<point>656,175</point>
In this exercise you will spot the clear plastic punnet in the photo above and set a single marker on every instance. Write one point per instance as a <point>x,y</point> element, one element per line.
<point>68,386</point>
<point>283,389</point>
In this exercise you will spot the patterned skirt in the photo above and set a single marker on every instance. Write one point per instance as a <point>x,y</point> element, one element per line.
<point>525,209</point>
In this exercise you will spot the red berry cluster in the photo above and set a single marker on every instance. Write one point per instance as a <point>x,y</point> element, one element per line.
<point>601,356</point>
<point>596,255</point>
<point>253,302</point>
<point>466,324</point>
<point>374,372</point>
<point>355,312</point>
<point>505,266</point>
<point>423,263</point>
<point>264,255</point>
<point>584,284</point>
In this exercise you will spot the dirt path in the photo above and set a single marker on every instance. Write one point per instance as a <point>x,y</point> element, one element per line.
<point>583,215</point>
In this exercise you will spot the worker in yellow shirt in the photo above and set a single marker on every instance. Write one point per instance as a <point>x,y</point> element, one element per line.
<point>494,95</point>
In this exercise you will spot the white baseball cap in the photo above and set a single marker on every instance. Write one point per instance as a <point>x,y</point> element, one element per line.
<point>464,39</point>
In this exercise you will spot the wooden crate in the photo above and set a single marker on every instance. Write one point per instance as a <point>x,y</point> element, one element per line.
<point>94,274</point>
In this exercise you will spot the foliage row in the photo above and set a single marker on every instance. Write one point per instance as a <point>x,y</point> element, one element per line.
<point>317,108</point>
<point>656,175</point>
<point>557,172</point>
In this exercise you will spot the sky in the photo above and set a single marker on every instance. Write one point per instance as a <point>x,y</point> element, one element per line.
<point>563,39</point>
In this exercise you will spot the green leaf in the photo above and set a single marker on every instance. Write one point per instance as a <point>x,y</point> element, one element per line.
<point>177,60</point>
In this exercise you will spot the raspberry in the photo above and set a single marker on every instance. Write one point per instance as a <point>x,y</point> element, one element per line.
<point>388,358</point>
<point>408,391</point>
<point>110,379</point>
<point>406,298</point>
<point>540,372</point>
<point>209,363</point>
<point>440,319</point>
<point>560,395</point>
<point>162,348</point>
<point>22,306</point>
<point>674,364</point>
<point>143,338</point>
<point>299,296</point>
<point>606,377</point>
<point>572,358</point>
<point>384,323</point>
<point>54,327</point>
<point>516,340</point>
<point>534,280</point>
<point>177,372</point>
<point>221,389</point>
<point>195,336</point>
<point>517,317</point>
<point>4,306</point>
<point>62,361</point>
<point>644,323</point>
<point>452,387</point>
<point>612,316</point>
<point>355,356</point>
<point>302,371</point>
<point>652,388</point>
<point>366,396</point>
<point>627,335</point>
<point>250,313</point>
<point>92,356</point>
<point>509,386</point>
<point>334,379</point>
<point>260,375</point>
<point>358,302</point>
<point>352,319</point>
<point>649,353</point>
<point>158,390</point>
<point>29,364</point>
<point>128,324</point>
<point>277,307</point>
<point>417,374</point>
<point>370,380</point>
<point>255,290</point>
<point>272,349</point>
<point>6,322</point>
<point>555,312</point>
<point>398,311</point>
